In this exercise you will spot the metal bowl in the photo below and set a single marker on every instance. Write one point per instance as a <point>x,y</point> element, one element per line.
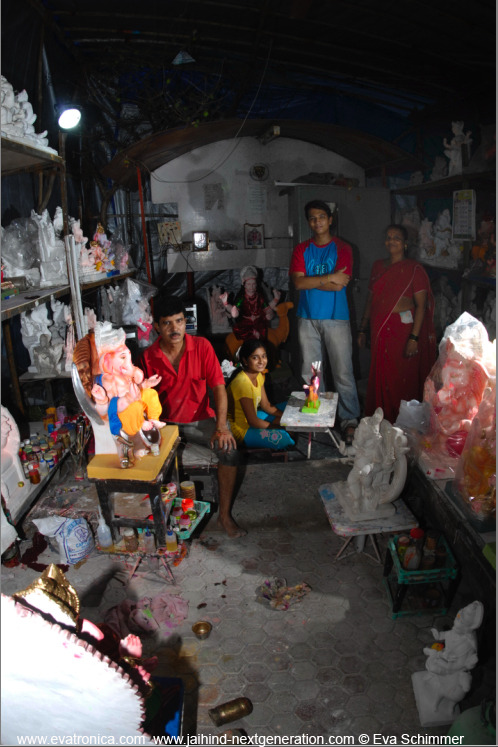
<point>202,629</point>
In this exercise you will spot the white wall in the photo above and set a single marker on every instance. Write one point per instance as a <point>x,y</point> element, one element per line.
<point>215,192</point>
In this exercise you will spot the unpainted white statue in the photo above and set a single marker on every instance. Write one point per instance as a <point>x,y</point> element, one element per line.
<point>449,662</point>
<point>18,118</point>
<point>440,169</point>
<point>379,470</point>
<point>453,149</point>
<point>58,328</point>
<point>34,323</point>
<point>47,356</point>
<point>426,245</point>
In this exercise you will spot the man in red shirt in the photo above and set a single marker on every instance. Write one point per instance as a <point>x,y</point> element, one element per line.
<point>189,368</point>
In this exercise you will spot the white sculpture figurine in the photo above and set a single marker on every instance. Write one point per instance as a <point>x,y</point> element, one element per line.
<point>379,470</point>
<point>34,324</point>
<point>447,679</point>
<point>453,149</point>
<point>47,356</point>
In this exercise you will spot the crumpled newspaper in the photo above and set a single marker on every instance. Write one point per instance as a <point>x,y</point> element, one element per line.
<point>274,593</point>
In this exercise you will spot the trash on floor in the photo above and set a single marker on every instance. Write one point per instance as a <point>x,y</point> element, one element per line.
<point>149,615</point>
<point>274,593</point>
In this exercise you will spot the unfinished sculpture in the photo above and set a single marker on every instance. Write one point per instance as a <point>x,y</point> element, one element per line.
<point>312,403</point>
<point>453,149</point>
<point>124,397</point>
<point>449,662</point>
<point>34,324</point>
<point>379,470</point>
<point>47,356</point>
<point>18,118</point>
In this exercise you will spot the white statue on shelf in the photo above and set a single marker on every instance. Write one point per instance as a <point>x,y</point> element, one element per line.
<point>453,149</point>
<point>379,470</point>
<point>58,328</point>
<point>447,251</point>
<point>440,169</point>
<point>34,323</point>
<point>18,118</point>
<point>447,678</point>
<point>47,356</point>
<point>426,246</point>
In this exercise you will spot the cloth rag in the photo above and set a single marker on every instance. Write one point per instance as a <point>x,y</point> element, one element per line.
<point>147,616</point>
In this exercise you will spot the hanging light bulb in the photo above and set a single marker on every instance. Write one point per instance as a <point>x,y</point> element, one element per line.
<point>69,116</point>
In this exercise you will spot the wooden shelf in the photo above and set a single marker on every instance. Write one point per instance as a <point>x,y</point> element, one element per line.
<point>448,185</point>
<point>18,157</point>
<point>29,299</point>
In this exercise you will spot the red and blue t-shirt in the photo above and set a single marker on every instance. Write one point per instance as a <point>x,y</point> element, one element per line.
<point>313,260</point>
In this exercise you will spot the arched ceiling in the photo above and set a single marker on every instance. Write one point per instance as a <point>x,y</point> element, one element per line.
<point>371,153</point>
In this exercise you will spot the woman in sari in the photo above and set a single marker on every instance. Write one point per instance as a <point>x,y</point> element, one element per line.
<point>400,309</point>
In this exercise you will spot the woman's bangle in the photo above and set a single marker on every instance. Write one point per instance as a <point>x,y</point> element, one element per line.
<point>362,332</point>
<point>220,433</point>
<point>413,337</point>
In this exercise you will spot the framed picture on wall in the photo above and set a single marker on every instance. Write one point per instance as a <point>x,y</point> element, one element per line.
<point>254,236</point>
<point>200,241</point>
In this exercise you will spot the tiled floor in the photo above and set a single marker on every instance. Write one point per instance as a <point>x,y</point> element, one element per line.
<point>334,663</point>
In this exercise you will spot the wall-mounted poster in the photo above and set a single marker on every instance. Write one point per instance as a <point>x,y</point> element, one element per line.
<point>464,214</point>
<point>254,236</point>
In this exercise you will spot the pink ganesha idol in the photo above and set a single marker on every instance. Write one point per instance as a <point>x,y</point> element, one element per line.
<point>123,395</point>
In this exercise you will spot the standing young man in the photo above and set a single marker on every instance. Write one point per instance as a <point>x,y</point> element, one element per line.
<point>320,269</point>
<point>189,368</point>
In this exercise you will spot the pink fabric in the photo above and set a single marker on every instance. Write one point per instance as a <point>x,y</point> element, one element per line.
<point>150,614</point>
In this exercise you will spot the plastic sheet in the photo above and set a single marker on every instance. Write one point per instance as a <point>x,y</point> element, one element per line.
<point>454,390</point>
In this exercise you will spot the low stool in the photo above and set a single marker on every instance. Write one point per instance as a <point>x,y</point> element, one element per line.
<point>196,464</point>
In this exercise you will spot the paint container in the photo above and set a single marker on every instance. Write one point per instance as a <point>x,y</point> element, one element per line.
<point>230,711</point>
<point>187,489</point>
<point>130,539</point>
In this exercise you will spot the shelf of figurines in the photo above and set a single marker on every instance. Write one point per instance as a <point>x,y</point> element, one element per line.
<point>20,156</point>
<point>28,299</point>
<point>449,183</point>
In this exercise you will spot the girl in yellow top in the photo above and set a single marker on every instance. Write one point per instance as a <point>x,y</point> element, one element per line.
<point>253,420</point>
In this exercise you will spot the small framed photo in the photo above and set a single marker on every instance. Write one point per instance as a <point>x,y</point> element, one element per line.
<point>200,241</point>
<point>254,236</point>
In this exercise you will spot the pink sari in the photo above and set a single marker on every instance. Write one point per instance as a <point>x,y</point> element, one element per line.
<point>392,376</point>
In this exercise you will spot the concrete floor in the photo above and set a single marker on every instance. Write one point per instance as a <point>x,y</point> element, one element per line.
<point>334,663</point>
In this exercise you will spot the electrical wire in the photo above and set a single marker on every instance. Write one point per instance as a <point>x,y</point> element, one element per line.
<point>236,144</point>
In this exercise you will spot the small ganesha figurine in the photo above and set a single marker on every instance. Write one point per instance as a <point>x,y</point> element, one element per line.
<point>312,403</point>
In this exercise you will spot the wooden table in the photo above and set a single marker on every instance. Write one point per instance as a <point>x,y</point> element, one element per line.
<point>295,420</point>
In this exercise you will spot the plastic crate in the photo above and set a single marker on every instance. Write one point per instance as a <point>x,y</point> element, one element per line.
<point>407,590</point>
<point>202,508</point>
<point>448,571</point>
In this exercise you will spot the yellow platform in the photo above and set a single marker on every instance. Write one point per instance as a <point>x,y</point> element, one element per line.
<point>107,466</point>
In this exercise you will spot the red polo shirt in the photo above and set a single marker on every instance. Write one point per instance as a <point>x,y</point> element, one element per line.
<point>184,395</point>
